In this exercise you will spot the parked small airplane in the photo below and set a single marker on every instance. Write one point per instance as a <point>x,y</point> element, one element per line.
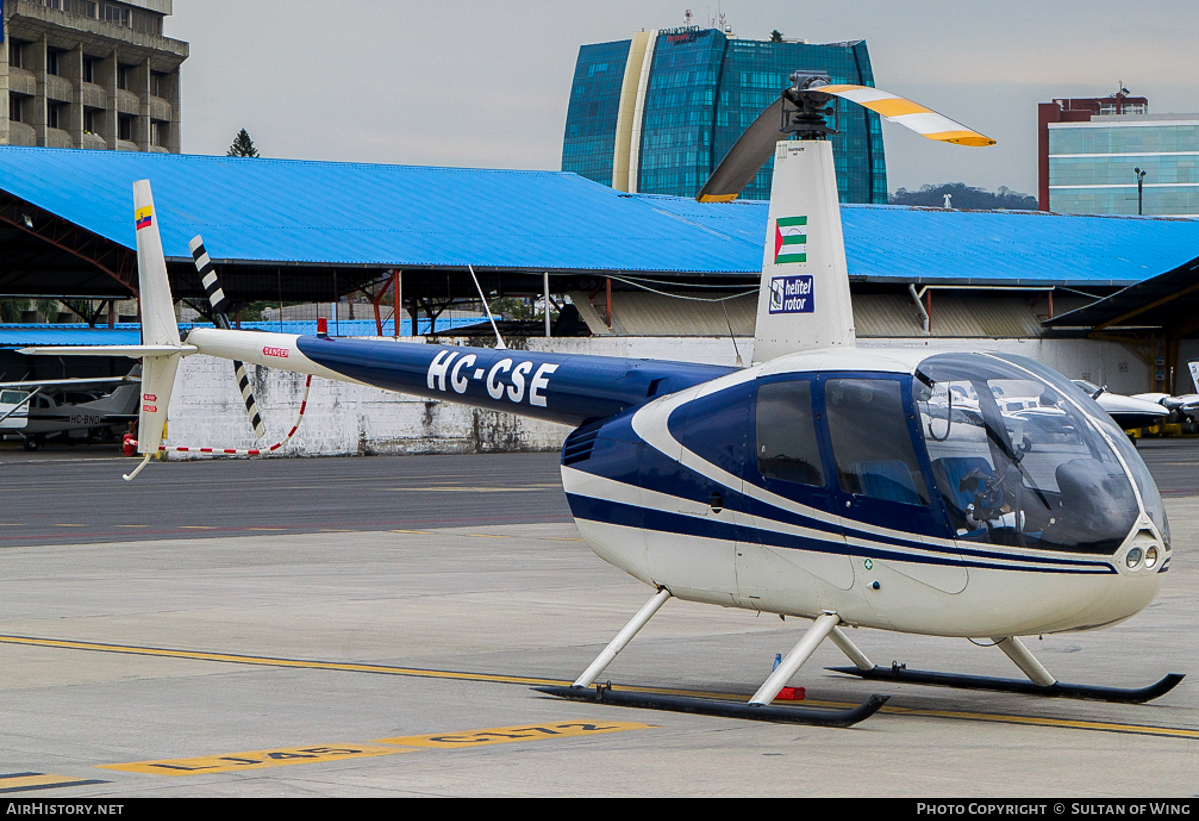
<point>67,408</point>
<point>856,488</point>
<point>1139,411</point>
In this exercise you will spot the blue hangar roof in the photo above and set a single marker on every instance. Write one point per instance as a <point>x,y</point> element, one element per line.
<point>342,214</point>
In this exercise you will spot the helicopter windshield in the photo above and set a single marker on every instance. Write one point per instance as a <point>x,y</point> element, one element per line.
<point>1021,458</point>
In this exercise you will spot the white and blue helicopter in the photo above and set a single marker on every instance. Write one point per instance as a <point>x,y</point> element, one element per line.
<point>855,488</point>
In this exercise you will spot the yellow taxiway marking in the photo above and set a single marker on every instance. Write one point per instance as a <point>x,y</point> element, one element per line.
<point>418,532</point>
<point>20,782</point>
<point>415,672</point>
<point>197,527</point>
<point>265,661</point>
<point>1065,723</point>
<point>282,757</point>
<point>507,735</point>
<point>65,525</point>
<point>255,760</point>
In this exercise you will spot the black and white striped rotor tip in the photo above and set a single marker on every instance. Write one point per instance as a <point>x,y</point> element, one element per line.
<point>247,395</point>
<point>212,287</point>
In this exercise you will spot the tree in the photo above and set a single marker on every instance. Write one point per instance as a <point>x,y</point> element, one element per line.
<point>13,310</point>
<point>242,146</point>
<point>776,36</point>
<point>964,196</point>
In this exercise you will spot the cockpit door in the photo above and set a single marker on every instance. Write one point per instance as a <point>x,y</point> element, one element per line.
<point>895,525</point>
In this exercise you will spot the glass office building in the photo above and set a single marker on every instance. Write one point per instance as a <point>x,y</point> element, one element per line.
<point>657,113</point>
<point>1093,165</point>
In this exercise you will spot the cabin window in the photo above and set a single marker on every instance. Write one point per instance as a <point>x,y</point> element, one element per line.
<point>868,428</point>
<point>786,433</point>
<point>1021,457</point>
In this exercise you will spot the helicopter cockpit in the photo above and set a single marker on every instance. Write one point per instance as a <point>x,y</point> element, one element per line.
<point>1023,458</point>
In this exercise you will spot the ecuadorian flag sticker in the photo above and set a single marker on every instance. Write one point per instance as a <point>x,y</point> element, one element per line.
<point>145,217</point>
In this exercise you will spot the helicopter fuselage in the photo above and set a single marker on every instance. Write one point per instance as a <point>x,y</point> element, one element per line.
<point>751,491</point>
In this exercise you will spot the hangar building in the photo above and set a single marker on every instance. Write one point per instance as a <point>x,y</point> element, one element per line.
<point>651,275</point>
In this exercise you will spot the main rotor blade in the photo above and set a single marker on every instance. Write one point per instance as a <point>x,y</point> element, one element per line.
<point>746,157</point>
<point>896,109</point>
<point>750,153</point>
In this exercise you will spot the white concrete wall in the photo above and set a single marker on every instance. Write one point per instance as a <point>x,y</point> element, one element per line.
<point>346,419</point>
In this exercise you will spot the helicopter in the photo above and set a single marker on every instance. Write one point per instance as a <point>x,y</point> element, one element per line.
<point>887,489</point>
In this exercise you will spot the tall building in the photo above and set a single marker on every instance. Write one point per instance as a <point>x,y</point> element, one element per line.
<point>1109,155</point>
<point>657,113</point>
<point>89,74</point>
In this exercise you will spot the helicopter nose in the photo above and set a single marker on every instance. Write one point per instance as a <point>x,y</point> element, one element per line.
<point>1146,553</point>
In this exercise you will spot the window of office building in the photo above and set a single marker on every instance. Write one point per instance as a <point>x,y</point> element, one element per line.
<point>590,138</point>
<point>1093,169</point>
<point>112,13</point>
<point>158,133</point>
<point>703,91</point>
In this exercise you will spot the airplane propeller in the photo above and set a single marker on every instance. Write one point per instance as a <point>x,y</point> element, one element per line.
<point>802,109</point>
<point>219,303</point>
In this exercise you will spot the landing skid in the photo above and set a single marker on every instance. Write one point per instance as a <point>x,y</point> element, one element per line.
<point>1040,681</point>
<point>1057,689</point>
<point>759,707</point>
<point>604,694</point>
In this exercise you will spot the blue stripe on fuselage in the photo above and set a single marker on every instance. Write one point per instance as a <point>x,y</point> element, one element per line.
<point>566,388</point>
<point>618,513</point>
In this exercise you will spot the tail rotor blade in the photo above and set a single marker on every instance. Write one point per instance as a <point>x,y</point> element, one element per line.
<point>212,286</point>
<point>220,304</point>
<point>247,395</point>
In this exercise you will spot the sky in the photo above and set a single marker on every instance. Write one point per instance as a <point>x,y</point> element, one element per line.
<point>473,84</point>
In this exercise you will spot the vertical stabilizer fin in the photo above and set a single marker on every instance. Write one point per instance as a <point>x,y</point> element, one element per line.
<point>804,301</point>
<point>159,326</point>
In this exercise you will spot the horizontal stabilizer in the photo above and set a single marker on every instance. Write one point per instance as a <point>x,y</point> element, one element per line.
<point>131,351</point>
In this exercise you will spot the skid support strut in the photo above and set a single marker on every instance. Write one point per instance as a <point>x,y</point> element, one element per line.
<point>623,638</point>
<point>1014,649</point>
<point>759,707</point>
<point>800,653</point>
